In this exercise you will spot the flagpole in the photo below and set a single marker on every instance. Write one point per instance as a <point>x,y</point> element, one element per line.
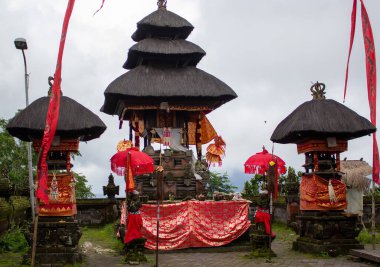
<point>373,217</point>
<point>159,172</point>
<point>126,175</point>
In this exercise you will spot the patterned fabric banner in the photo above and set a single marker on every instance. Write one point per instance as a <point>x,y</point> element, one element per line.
<point>352,36</point>
<point>370,62</point>
<point>52,114</point>
<point>195,223</point>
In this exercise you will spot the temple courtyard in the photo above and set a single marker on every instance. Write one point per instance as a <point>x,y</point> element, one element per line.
<point>285,257</point>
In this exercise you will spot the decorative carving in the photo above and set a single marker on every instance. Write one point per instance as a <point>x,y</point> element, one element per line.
<point>322,231</point>
<point>111,189</point>
<point>57,240</point>
<point>162,4</point>
<point>318,91</point>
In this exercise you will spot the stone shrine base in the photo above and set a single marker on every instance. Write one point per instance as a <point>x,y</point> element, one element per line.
<point>57,241</point>
<point>331,232</point>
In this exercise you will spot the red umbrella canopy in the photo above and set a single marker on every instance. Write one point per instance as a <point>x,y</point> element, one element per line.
<point>139,162</point>
<point>259,163</point>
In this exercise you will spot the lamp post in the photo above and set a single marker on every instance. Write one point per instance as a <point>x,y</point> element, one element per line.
<point>21,44</point>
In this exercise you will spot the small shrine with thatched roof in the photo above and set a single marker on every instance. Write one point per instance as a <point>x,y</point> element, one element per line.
<point>166,98</point>
<point>58,232</point>
<point>321,129</point>
<point>355,177</point>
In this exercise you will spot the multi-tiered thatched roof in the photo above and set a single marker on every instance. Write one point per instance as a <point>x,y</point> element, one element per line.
<point>163,69</point>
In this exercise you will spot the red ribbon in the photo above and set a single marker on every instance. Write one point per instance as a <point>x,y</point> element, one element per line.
<point>52,114</point>
<point>99,8</point>
<point>352,36</point>
<point>370,61</point>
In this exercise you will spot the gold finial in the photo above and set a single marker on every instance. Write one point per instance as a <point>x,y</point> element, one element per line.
<point>318,91</point>
<point>161,4</point>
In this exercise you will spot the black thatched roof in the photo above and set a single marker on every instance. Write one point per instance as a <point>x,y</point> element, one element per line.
<point>180,52</point>
<point>75,121</point>
<point>162,23</point>
<point>321,118</point>
<point>148,85</point>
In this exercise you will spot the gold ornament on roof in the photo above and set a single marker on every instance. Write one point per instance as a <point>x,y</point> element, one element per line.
<point>318,90</point>
<point>161,4</point>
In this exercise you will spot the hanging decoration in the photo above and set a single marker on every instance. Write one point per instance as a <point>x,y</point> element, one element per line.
<point>216,151</point>
<point>370,60</point>
<point>52,113</point>
<point>166,136</point>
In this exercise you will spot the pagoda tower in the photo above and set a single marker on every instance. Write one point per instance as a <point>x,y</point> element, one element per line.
<point>321,129</point>
<point>165,98</point>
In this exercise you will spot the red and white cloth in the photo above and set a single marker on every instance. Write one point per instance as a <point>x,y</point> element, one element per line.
<point>195,223</point>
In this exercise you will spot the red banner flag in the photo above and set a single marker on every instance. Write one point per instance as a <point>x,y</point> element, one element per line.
<point>99,8</point>
<point>353,26</point>
<point>52,114</point>
<point>370,62</point>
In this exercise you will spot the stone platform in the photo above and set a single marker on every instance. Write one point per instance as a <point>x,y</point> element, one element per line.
<point>57,241</point>
<point>331,232</point>
<point>372,255</point>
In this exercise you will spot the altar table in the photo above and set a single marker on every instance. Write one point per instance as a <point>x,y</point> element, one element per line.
<point>194,223</point>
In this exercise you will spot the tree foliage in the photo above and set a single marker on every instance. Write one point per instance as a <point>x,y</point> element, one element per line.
<point>219,182</point>
<point>13,157</point>
<point>82,190</point>
<point>289,177</point>
<point>252,186</point>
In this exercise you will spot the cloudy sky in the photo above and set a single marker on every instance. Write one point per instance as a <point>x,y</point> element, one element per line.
<point>268,51</point>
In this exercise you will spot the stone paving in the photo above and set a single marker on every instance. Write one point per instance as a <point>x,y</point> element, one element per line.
<point>285,257</point>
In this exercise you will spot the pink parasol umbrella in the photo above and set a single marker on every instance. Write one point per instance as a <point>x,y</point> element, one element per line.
<point>259,163</point>
<point>131,162</point>
<point>140,163</point>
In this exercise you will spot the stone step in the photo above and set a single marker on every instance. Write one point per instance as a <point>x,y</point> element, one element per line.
<point>367,254</point>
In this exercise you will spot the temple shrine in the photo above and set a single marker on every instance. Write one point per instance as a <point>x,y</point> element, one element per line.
<point>58,232</point>
<point>321,129</point>
<point>166,98</point>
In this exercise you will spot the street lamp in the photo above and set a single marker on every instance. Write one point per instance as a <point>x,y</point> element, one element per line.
<point>21,44</point>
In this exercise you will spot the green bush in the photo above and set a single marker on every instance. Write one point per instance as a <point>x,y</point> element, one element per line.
<point>13,240</point>
<point>366,237</point>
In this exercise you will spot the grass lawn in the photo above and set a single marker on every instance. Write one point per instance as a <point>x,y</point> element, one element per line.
<point>103,236</point>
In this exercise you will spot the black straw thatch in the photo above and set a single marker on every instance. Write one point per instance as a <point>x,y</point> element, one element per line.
<point>75,121</point>
<point>180,52</point>
<point>157,84</point>
<point>321,119</point>
<point>162,23</point>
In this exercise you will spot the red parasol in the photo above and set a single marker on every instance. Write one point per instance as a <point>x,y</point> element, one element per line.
<point>259,163</point>
<point>140,163</point>
<point>131,162</point>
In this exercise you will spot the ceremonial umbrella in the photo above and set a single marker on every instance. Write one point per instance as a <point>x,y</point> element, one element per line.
<point>131,162</point>
<point>259,163</point>
<point>266,163</point>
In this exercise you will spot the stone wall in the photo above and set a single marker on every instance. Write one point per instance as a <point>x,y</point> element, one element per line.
<point>96,211</point>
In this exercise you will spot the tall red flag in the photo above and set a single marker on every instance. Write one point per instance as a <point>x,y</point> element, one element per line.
<point>370,62</point>
<point>52,114</point>
<point>353,26</point>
